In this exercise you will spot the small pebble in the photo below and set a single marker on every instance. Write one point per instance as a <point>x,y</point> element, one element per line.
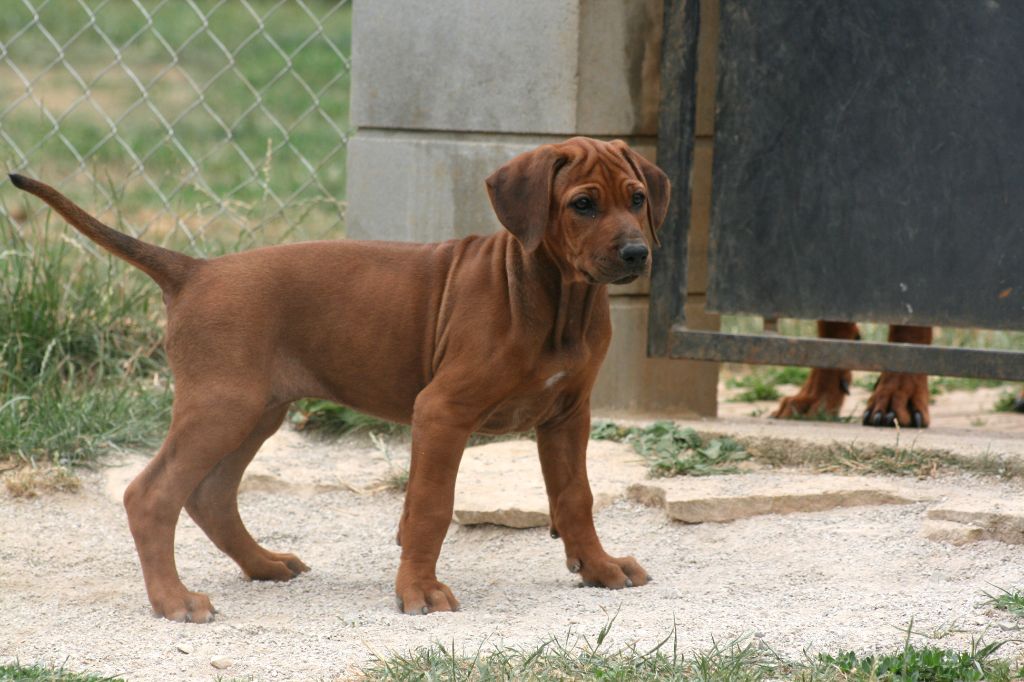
<point>220,662</point>
<point>184,647</point>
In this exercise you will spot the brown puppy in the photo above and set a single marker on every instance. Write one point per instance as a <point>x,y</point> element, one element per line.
<point>492,334</point>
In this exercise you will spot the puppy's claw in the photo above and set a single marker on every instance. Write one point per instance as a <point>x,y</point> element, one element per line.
<point>554,534</point>
<point>889,419</point>
<point>399,604</point>
<point>876,419</point>
<point>576,566</point>
<point>918,420</point>
<point>425,610</point>
<point>629,583</point>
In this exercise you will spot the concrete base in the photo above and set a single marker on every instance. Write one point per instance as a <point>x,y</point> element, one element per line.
<point>632,383</point>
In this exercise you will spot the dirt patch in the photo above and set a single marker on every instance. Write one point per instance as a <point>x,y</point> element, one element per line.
<point>849,578</point>
<point>32,481</point>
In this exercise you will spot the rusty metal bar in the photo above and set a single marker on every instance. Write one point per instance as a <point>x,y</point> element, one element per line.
<point>837,354</point>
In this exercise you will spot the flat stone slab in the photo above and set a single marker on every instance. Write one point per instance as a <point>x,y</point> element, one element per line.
<point>501,483</point>
<point>738,496</point>
<point>998,519</point>
<point>956,534</point>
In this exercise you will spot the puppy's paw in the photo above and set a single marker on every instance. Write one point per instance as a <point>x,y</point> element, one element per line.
<point>899,397</point>
<point>277,566</point>
<point>608,571</point>
<point>420,597</point>
<point>822,393</point>
<point>185,607</point>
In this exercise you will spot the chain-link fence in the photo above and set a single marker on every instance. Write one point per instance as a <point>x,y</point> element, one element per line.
<point>196,122</point>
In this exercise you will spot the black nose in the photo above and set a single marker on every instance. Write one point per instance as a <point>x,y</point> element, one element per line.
<point>634,254</point>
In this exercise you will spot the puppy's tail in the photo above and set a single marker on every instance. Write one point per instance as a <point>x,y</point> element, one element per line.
<point>169,269</point>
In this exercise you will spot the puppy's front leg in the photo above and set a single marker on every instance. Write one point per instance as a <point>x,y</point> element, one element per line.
<point>563,458</point>
<point>439,435</point>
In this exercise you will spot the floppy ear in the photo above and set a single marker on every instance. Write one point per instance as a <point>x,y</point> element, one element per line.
<point>659,189</point>
<point>521,190</point>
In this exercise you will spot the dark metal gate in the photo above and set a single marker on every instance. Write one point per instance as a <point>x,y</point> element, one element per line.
<point>868,166</point>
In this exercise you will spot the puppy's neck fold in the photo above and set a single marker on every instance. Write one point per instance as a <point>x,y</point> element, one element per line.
<point>542,276</point>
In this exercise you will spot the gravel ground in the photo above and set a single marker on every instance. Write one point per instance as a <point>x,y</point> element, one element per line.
<point>72,592</point>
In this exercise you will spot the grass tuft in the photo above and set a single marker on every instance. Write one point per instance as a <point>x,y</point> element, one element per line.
<point>672,451</point>
<point>938,385</point>
<point>1011,601</point>
<point>930,663</point>
<point>1007,402</point>
<point>33,481</point>
<point>576,657</point>
<point>397,478</point>
<point>761,384</point>
<point>855,458</point>
<point>15,672</point>
<point>331,420</point>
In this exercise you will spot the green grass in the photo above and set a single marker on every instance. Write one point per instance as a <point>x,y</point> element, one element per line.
<point>931,663</point>
<point>82,368</point>
<point>331,420</point>
<point>19,673</point>
<point>576,657</point>
<point>762,383</point>
<point>756,390</point>
<point>672,451</point>
<point>1006,402</point>
<point>313,71</point>
<point>938,385</point>
<point>81,363</point>
<point>1011,601</point>
<point>855,458</point>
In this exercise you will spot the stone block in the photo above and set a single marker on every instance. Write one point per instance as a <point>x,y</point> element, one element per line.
<point>728,498</point>
<point>561,67</point>
<point>501,483</point>
<point>998,519</point>
<point>953,533</point>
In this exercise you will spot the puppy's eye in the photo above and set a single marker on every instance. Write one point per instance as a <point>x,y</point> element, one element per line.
<point>583,204</point>
<point>638,198</point>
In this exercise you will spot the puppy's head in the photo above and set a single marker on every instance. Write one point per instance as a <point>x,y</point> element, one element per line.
<point>596,206</point>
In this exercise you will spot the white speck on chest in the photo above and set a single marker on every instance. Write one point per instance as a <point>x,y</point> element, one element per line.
<point>553,379</point>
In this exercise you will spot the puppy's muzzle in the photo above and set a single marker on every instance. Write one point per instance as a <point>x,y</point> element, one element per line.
<point>634,257</point>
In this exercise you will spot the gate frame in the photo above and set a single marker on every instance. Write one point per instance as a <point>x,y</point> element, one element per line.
<point>667,333</point>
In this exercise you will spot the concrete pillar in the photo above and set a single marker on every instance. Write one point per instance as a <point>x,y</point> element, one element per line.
<point>446,91</point>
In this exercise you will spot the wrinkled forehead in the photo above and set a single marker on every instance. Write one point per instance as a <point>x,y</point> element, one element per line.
<point>593,162</point>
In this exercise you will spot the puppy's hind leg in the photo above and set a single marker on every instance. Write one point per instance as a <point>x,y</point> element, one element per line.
<point>205,427</point>
<point>213,505</point>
